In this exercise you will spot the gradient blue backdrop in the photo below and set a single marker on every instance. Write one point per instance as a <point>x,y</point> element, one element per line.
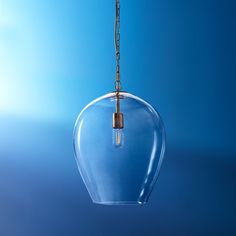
<point>56,56</point>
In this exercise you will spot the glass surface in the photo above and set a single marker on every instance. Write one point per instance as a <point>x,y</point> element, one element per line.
<point>119,166</point>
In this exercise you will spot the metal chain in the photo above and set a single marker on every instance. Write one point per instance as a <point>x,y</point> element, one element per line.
<point>117,46</point>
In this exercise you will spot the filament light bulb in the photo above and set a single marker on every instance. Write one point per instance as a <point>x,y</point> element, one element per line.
<point>118,137</point>
<point>118,126</point>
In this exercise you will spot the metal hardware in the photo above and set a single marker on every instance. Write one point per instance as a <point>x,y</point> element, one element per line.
<point>118,117</point>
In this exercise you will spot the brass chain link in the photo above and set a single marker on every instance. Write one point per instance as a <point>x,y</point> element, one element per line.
<point>117,46</point>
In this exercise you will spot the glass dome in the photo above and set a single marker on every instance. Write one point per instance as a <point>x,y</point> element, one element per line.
<point>119,166</point>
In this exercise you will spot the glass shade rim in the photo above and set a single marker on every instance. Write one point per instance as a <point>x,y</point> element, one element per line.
<point>124,203</point>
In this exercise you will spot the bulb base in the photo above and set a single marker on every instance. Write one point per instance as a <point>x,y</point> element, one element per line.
<point>118,120</point>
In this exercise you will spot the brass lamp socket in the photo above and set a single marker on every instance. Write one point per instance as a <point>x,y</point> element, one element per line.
<point>118,120</point>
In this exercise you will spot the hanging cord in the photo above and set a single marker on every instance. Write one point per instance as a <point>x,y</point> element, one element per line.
<point>117,46</point>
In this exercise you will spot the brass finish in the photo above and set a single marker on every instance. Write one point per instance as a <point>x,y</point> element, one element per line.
<point>117,46</point>
<point>118,120</point>
<point>118,117</point>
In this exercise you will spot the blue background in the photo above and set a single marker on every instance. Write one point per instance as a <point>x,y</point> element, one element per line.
<point>56,56</point>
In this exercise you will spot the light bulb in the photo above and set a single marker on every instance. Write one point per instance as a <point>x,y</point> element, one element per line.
<point>118,137</point>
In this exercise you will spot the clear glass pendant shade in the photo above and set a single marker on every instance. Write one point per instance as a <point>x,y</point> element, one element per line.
<point>119,166</point>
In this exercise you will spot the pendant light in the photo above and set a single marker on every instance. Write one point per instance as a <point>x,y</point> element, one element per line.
<point>119,143</point>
